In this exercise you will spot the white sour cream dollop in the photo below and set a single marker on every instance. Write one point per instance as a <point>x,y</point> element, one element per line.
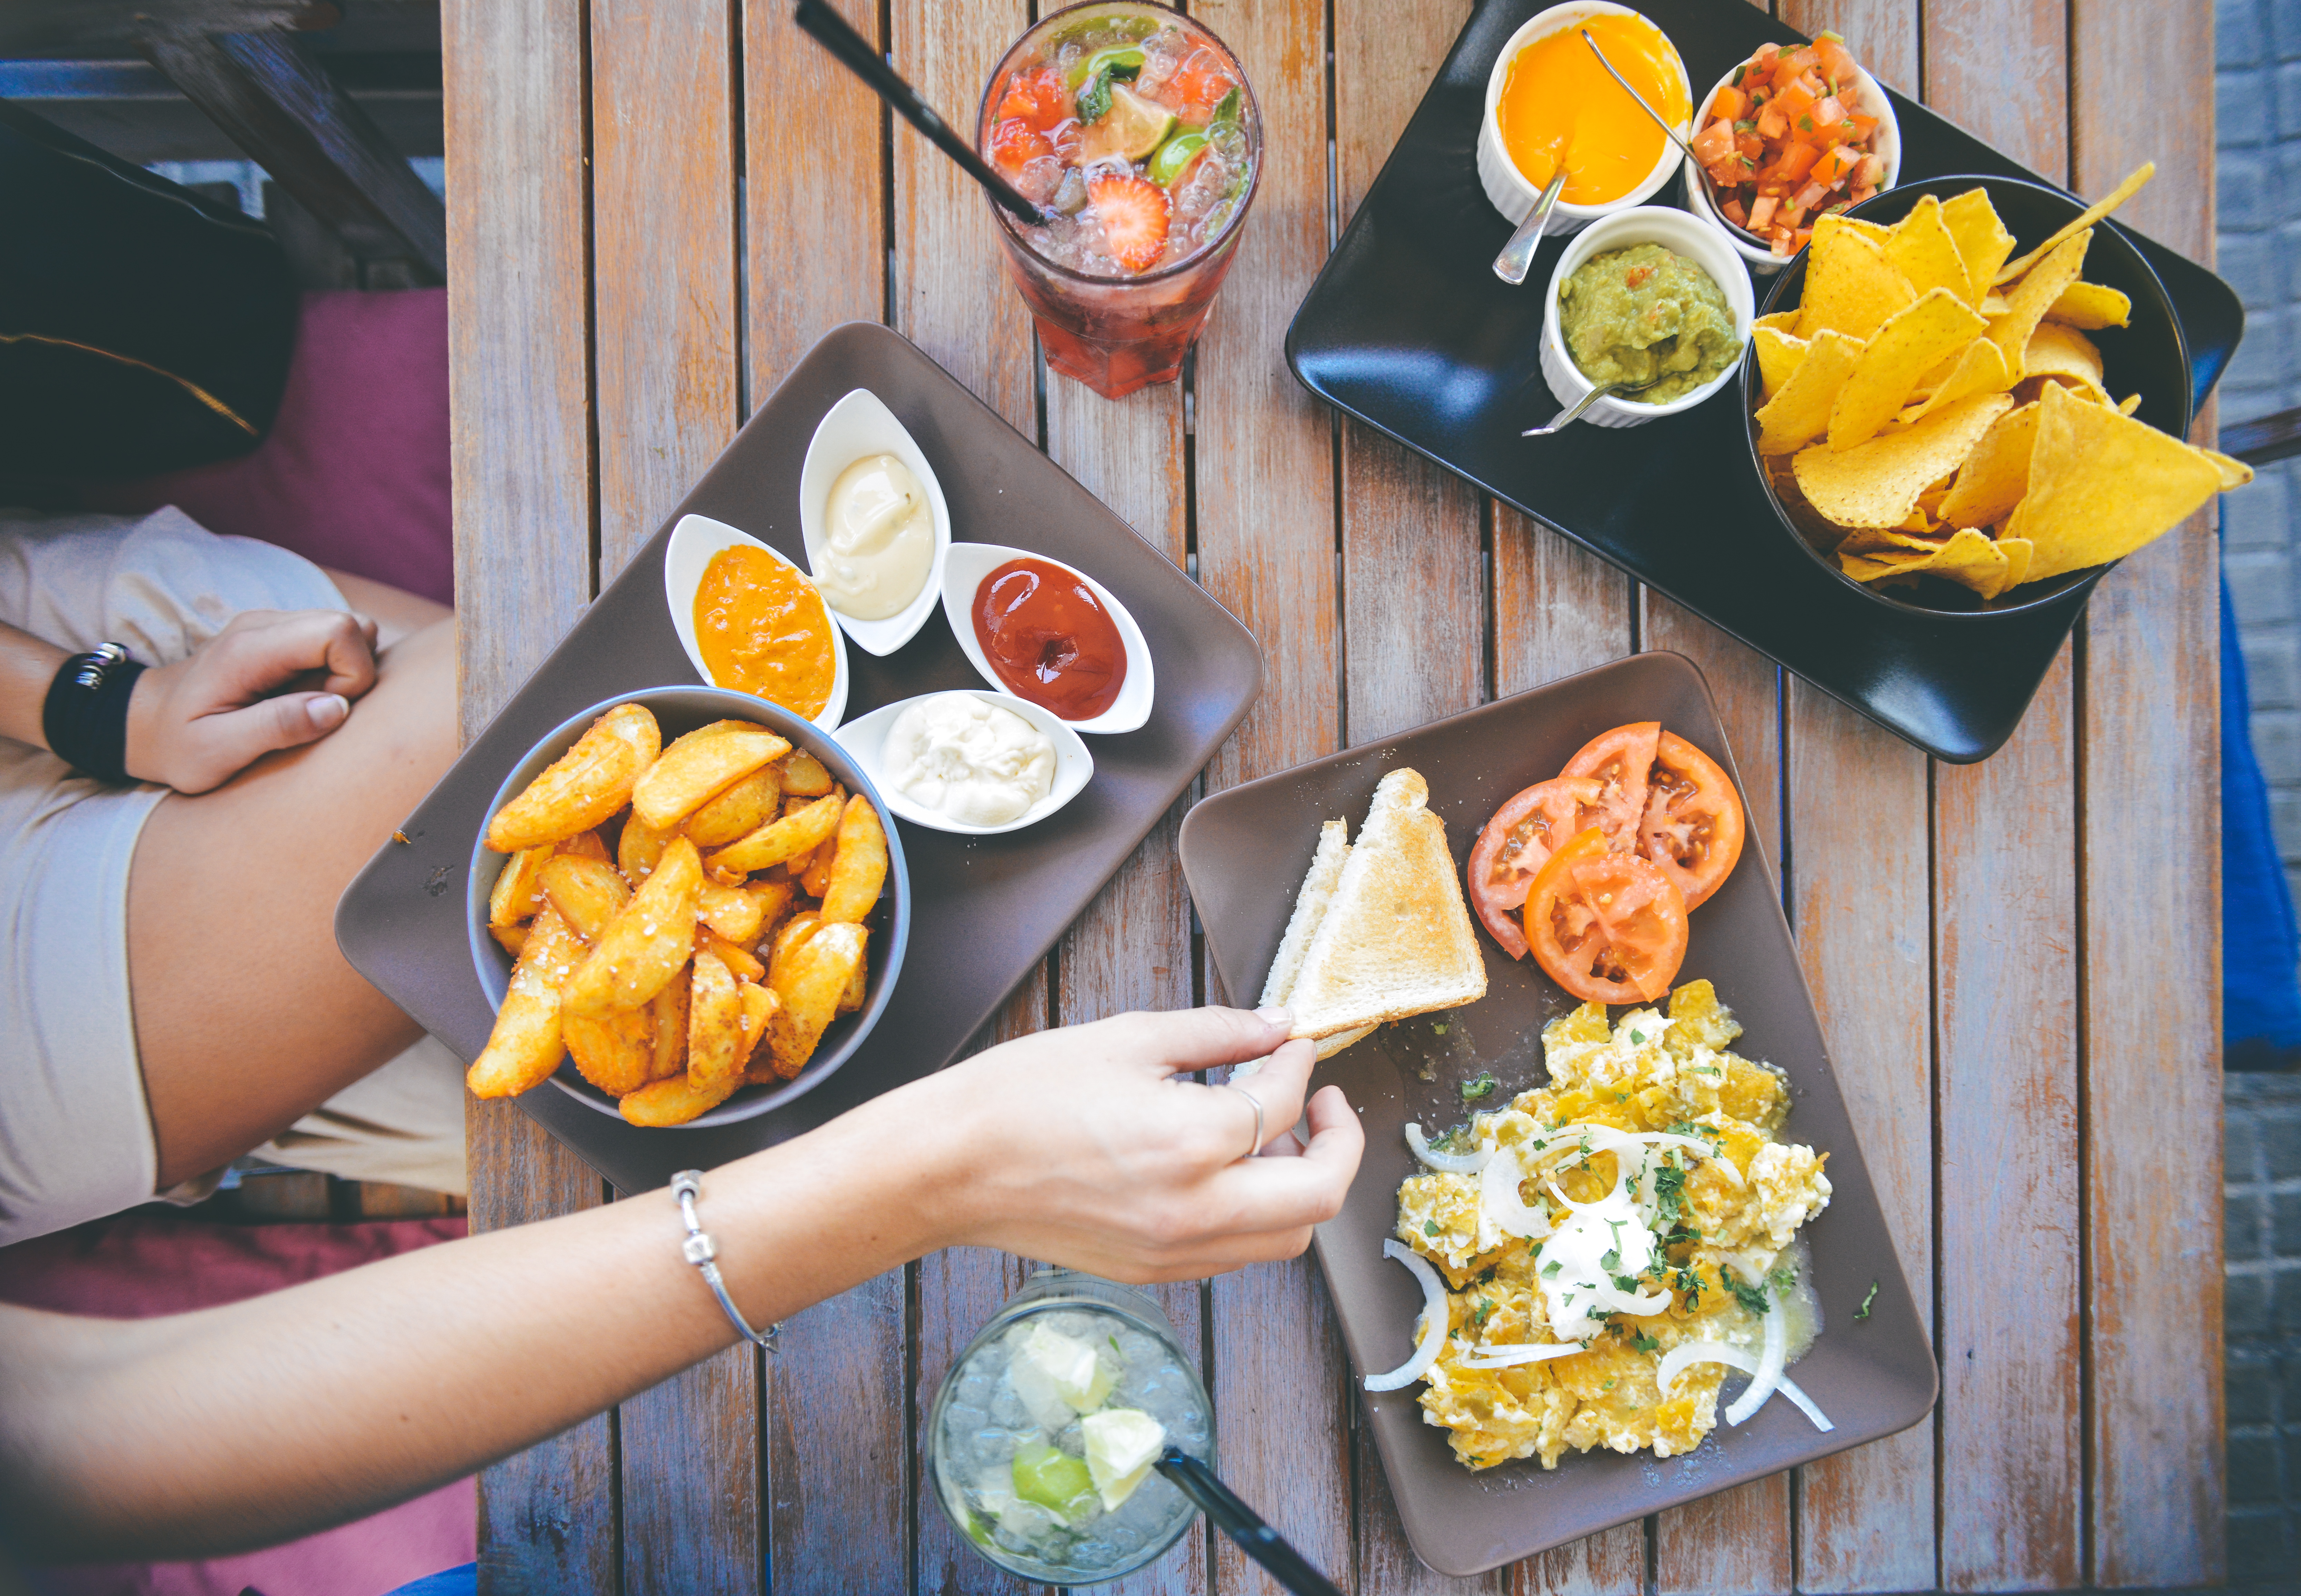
<point>1578,1277</point>
<point>973,761</point>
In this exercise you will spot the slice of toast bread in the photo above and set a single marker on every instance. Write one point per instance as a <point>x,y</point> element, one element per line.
<point>1396,938</point>
<point>1311,902</point>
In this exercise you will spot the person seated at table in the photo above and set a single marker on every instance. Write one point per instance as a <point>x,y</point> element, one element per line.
<point>175,998</point>
<point>274,1417</point>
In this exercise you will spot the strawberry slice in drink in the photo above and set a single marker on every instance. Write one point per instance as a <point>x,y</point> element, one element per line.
<point>1136,212</point>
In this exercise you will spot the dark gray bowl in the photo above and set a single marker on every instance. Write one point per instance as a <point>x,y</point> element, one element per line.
<point>679,710</point>
<point>2150,354</point>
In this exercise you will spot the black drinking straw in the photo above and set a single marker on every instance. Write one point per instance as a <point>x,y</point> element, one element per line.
<point>855,54</point>
<point>1236,1519</point>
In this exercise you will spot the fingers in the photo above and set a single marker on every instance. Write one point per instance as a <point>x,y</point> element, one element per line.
<point>1286,1193</point>
<point>259,653</point>
<point>1201,1039</point>
<point>1279,1085</point>
<point>232,741</point>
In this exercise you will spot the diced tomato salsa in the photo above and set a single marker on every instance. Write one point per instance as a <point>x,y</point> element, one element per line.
<point>1785,144</point>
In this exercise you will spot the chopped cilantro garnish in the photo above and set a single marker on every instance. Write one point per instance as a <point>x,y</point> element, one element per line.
<point>1805,124</point>
<point>1485,1311</point>
<point>1481,1085</point>
<point>1669,1191</point>
<point>1638,1037</point>
<point>1752,1298</point>
<point>1429,1227</point>
<point>1438,1030</point>
<point>1550,1270</point>
<point>1646,1343</point>
<point>1864,1311</point>
<point>1608,1386</point>
<point>1784,1278</point>
<point>1487,1273</point>
<point>1611,1260</point>
<point>1626,1282</point>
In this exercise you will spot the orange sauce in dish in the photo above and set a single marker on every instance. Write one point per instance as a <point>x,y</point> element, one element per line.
<point>1557,97</point>
<point>762,627</point>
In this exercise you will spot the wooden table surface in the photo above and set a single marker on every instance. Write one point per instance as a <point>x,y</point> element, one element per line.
<point>656,208</point>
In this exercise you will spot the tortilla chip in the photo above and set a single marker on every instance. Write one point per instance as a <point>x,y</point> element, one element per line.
<point>1877,484</point>
<point>1779,354</point>
<point>2057,350</point>
<point>2235,472</point>
<point>1781,321</point>
<point>1877,232</point>
<point>2082,222</point>
<point>1993,303</point>
<point>2101,484</point>
<point>1981,369</point>
<point>1923,249</point>
<point>2132,402</point>
<point>1982,241</point>
<point>2092,306</point>
<point>1878,542</point>
<point>2027,305</point>
<point>1910,343</point>
<point>1800,412</point>
<point>2017,552</point>
<point>1849,286</point>
<point>1996,474</point>
<point>1970,558</point>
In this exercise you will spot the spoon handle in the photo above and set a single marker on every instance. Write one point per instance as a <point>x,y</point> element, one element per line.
<point>1566,418</point>
<point>1710,186</point>
<point>1518,255</point>
<point>1236,1519</point>
<point>855,53</point>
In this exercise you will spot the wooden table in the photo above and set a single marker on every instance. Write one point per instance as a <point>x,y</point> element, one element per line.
<point>656,208</point>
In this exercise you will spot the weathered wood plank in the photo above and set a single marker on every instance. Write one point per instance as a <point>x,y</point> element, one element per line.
<point>837,1456</point>
<point>814,250</point>
<point>2006,998</point>
<point>664,299</point>
<point>664,258</point>
<point>519,380</point>
<point>1265,519</point>
<point>2152,1092</point>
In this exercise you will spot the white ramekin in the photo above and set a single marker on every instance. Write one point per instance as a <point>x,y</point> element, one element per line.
<point>1871,101</point>
<point>1505,185</point>
<point>1672,229</point>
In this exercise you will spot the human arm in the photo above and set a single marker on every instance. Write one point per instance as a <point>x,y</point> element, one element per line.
<point>252,1423</point>
<point>195,722</point>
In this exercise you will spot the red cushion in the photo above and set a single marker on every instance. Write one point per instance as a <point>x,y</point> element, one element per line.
<point>148,1262</point>
<point>354,473</point>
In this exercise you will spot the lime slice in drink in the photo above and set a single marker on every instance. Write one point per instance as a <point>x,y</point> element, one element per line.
<point>1054,1480</point>
<point>1077,1374</point>
<point>1122,1443</point>
<point>1129,130</point>
<point>1127,58</point>
<point>1175,157</point>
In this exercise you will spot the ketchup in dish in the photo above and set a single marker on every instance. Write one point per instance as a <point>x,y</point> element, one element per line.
<point>1050,638</point>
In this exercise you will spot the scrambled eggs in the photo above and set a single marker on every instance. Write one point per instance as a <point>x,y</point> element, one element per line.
<point>1652,1206</point>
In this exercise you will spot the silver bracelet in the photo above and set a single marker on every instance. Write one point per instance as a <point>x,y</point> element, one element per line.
<point>700,1250</point>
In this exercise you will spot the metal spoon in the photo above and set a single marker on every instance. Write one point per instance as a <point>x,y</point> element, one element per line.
<point>1565,418</point>
<point>1709,186</point>
<point>1518,255</point>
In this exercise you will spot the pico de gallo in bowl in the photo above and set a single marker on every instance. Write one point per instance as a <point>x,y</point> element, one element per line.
<point>1789,135</point>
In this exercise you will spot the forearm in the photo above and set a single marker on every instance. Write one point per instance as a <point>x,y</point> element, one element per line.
<point>28,665</point>
<point>339,1397</point>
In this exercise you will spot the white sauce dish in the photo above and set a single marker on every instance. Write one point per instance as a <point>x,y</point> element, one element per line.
<point>856,429</point>
<point>890,751</point>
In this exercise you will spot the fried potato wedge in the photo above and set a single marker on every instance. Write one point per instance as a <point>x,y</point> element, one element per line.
<point>646,944</point>
<point>668,1019</point>
<point>714,1025</point>
<point>586,845</point>
<point>779,840</point>
<point>675,1101</point>
<point>518,890</point>
<point>739,961</point>
<point>746,806</point>
<point>699,767</point>
<point>582,786</point>
<point>639,847</point>
<point>804,775</point>
<point>859,870</point>
<point>816,879</point>
<point>858,987</point>
<point>792,934</point>
<point>513,938</point>
<point>737,914</point>
<point>615,1054</point>
<point>527,1044</point>
<point>808,985</point>
<point>587,892</point>
<point>759,1002</point>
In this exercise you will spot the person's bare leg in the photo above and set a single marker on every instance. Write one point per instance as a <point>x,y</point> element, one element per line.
<point>247,1015</point>
<point>396,612</point>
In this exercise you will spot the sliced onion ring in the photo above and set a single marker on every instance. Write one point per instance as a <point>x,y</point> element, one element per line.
<point>1445,1163</point>
<point>1583,1208</point>
<point>1771,1358</point>
<point>1499,1199</point>
<point>1433,1321</point>
<point>1513,1356</point>
<point>1675,1361</point>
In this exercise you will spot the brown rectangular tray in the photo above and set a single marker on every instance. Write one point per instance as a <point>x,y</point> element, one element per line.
<point>1245,852</point>
<point>986,908</point>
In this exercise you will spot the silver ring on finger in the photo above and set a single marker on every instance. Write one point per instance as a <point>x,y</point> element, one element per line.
<point>1255,1146</point>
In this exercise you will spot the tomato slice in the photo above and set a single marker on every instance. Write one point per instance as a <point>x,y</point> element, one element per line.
<point>1620,759</point>
<point>1693,825</point>
<point>1518,842</point>
<point>1609,927</point>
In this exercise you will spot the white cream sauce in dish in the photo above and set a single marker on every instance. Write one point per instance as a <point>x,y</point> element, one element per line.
<point>970,759</point>
<point>878,538</point>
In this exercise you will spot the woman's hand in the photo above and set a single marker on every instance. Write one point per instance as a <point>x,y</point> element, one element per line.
<point>1090,1146</point>
<point>196,724</point>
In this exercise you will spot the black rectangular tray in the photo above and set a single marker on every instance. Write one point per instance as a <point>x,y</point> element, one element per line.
<point>1409,330</point>
<point>985,910</point>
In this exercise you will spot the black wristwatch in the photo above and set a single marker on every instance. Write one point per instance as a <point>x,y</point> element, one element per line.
<point>85,717</point>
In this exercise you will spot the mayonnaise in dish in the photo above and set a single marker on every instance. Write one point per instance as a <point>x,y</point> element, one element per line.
<point>969,759</point>
<point>878,538</point>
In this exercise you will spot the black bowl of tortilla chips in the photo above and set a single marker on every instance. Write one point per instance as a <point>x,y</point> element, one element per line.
<point>1969,458</point>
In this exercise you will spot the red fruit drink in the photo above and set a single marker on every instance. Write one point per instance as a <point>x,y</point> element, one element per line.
<point>1134,128</point>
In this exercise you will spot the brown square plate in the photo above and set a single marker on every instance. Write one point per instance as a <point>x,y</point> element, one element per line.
<point>1245,852</point>
<point>985,909</point>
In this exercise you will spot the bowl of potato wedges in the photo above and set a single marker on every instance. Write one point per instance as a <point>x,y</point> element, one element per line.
<point>688,906</point>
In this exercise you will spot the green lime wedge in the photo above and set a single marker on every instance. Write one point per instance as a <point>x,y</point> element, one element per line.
<point>1053,1479</point>
<point>1127,59</point>
<point>1174,156</point>
<point>1130,130</point>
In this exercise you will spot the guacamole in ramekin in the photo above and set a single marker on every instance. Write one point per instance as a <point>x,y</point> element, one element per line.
<point>1647,314</point>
